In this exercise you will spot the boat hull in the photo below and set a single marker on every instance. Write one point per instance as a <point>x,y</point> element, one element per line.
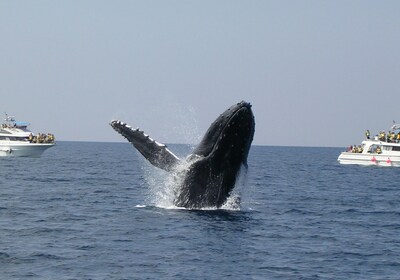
<point>23,149</point>
<point>369,159</point>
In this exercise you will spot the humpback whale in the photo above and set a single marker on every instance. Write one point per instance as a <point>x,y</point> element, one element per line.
<point>211,170</point>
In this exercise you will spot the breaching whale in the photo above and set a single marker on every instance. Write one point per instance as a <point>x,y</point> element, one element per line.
<point>215,163</point>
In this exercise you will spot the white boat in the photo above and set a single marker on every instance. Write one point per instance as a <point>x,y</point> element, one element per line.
<point>18,141</point>
<point>383,150</point>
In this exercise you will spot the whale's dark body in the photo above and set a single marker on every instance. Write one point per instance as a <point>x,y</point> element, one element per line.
<point>214,164</point>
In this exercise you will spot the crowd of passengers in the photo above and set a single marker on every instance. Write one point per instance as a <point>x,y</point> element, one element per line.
<point>359,149</point>
<point>356,149</point>
<point>41,138</point>
<point>390,137</point>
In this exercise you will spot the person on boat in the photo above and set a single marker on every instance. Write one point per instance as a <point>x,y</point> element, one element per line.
<point>51,138</point>
<point>382,136</point>
<point>349,149</point>
<point>40,138</point>
<point>398,137</point>
<point>30,138</point>
<point>367,134</point>
<point>392,137</point>
<point>378,150</point>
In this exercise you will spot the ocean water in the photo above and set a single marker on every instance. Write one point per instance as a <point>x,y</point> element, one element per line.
<point>100,211</point>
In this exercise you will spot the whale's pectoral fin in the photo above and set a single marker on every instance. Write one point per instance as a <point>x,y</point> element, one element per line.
<point>156,153</point>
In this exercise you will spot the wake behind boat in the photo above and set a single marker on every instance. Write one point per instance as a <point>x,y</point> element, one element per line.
<point>383,150</point>
<point>18,141</point>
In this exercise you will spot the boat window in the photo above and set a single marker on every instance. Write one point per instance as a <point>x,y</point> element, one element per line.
<point>387,148</point>
<point>18,139</point>
<point>395,148</point>
<point>8,138</point>
<point>372,149</point>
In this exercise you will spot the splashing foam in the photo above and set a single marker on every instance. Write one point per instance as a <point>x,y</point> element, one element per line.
<point>164,187</point>
<point>167,187</point>
<point>160,194</point>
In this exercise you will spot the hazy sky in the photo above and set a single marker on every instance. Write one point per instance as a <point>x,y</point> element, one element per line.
<point>318,73</point>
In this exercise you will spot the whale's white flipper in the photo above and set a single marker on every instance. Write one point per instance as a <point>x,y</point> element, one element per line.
<point>156,153</point>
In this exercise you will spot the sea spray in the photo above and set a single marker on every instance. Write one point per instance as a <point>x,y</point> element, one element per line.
<point>185,125</point>
<point>234,201</point>
<point>165,187</point>
<point>159,193</point>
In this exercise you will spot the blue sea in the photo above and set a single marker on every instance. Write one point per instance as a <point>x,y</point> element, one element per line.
<point>100,211</point>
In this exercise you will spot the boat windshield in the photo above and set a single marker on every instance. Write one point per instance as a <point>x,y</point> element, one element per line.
<point>10,122</point>
<point>21,124</point>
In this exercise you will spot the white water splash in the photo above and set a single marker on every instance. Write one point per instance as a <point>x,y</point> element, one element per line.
<point>164,187</point>
<point>140,206</point>
<point>234,201</point>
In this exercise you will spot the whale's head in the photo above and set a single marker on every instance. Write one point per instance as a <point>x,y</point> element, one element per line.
<point>229,137</point>
<point>220,155</point>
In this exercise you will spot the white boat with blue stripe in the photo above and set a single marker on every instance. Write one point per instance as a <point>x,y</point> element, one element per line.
<point>18,141</point>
